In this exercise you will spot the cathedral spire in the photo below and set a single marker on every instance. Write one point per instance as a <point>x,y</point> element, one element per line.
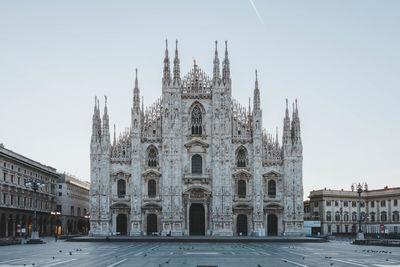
<point>96,121</point>
<point>177,72</point>
<point>115,139</point>
<point>256,98</point>
<point>167,70</point>
<point>136,94</point>
<point>216,74</point>
<point>286,125</point>
<point>225,68</point>
<point>106,127</point>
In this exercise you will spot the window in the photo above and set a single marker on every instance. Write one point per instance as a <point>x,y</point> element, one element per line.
<point>151,188</point>
<point>12,200</point>
<point>84,212</point>
<point>316,203</point>
<point>383,203</point>
<point>354,216</point>
<point>354,204</point>
<point>345,203</point>
<point>336,203</point>
<point>329,228</point>
<point>19,180</point>
<point>337,216</point>
<point>79,211</point>
<point>241,158</point>
<point>59,194</point>
<point>24,201</point>
<point>4,176</point>
<point>372,204</point>
<point>197,118</point>
<point>197,164</point>
<point>272,188</point>
<point>337,229</point>
<point>328,203</point>
<point>19,201</point>
<point>395,202</point>
<point>60,186</point>
<point>372,217</point>
<point>121,188</point>
<point>395,216</point>
<point>152,157</point>
<point>4,198</point>
<point>383,216</point>
<point>328,216</point>
<point>242,188</point>
<point>72,210</point>
<point>59,208</point>
<point>362,204</point>
<point>346,217</point>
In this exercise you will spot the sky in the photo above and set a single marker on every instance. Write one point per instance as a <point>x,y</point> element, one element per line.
<point>340,59</point>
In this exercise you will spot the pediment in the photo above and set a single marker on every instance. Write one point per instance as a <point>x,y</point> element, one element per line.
<point>120,205</point>
<point>273,206</point>
<point>196,142</point>
<point>241,173</point>
<point>151,205</point>
<point>197,189</point>
<point>272,173</point>
<point>121,173</point>
<point>149,172</point>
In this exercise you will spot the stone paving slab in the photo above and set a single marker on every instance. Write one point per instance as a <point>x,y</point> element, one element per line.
<point>198,239</point>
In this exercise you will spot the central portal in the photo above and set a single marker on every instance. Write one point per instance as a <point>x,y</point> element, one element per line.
<point>122,224</point>
<point>197,219</point>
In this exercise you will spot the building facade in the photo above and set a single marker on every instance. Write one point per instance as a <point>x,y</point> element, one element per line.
<point>337,210</point>
<point>196,163</point>
<point>72,205</point>
<point>16,199</point>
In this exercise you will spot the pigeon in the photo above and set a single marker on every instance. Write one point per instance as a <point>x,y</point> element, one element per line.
<point>303,258</point>
<point>331,263</point>
<point>70,253</point>
<point>53,257</point>
<point>258,265</point>
<point>60,251</point>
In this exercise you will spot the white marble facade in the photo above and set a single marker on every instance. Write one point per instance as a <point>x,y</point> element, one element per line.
<point>196,163</point>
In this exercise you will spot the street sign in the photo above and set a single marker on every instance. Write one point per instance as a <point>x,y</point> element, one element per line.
<point>382,228</point>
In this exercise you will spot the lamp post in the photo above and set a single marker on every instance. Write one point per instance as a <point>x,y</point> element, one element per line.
<point>56,214</point>
<point>360,187</point>
<point>35,239</point>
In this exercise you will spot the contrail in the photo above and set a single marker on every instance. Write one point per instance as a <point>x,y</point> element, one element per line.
<point>255,9</point>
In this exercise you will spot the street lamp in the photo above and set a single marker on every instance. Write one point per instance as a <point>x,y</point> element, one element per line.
<point>360,187</point>
<point>35,234</point>
<point>56,214</point>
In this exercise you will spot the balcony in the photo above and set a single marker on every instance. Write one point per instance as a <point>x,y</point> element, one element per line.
<point>196,178</point>
<point>117,198</point>
<point>242,198</point>
<point>147,198</point>
<point>272,197</point>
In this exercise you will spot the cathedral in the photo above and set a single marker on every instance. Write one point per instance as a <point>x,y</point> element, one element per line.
<point>196,162</point>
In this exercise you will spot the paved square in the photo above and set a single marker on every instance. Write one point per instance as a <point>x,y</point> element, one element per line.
<point>334,253</point>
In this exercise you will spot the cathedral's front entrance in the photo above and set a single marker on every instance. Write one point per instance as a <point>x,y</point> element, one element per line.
<point>196,219</point>
<point>272,225</point>
<point>151,224</point>
<point>122,224</point>
<point>241,225</point>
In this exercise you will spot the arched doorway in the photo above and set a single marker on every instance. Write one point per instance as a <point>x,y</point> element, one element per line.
<point>151,224</point>
<point>272,225</point>
<point>122,224</point>
<point>3,225</point>
<point>241,225</point>
<point>196,219</point>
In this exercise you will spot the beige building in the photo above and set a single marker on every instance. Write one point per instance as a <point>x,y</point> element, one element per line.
<point>16,200</point>
<point>337,210</point>
<point>72,205</point>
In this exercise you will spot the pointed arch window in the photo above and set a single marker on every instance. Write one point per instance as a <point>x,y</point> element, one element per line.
<point>241,158</point>
<point>242,188</point>
<point>152,157</point>
<point>152,188</point>
<point>271,188</point>
<point>121,188</point>
<point>196,121</point>
<point>197,164</point>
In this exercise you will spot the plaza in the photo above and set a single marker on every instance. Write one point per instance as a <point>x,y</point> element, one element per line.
<point>108,254</point>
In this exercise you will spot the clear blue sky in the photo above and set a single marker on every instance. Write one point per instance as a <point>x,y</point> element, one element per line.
<point>341,59</point>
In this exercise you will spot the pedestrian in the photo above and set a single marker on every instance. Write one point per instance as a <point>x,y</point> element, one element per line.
<point>55,237</point>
